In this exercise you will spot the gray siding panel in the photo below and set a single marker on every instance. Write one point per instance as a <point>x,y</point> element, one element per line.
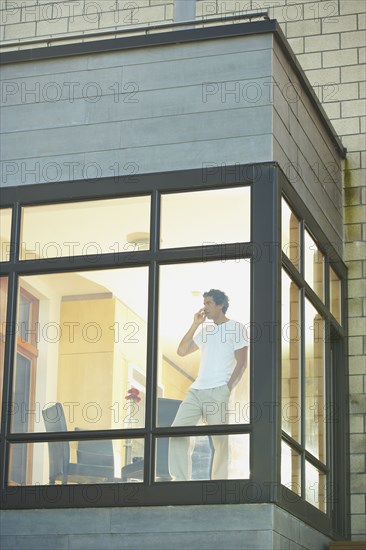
<point>232,526</point>
<point>137,104</point>
<point>55,86</point>
<point>312,201</point>
<point>305,151</point>
<point>138,160</point>
<point>204,540</point>
<point>165,119</point>
<point>138,133</point>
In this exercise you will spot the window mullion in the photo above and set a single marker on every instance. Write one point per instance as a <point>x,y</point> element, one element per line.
<point>152,342</point>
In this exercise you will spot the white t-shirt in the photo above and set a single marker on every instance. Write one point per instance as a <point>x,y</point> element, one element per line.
<point>218,344</point>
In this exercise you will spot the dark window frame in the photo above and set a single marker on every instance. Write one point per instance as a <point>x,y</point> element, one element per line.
<point>267,185</point>
<point>337,487</point>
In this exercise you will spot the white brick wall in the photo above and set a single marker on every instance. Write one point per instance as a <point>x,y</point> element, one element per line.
<point>43,18</point>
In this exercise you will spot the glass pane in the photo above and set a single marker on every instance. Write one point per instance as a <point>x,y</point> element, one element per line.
<point>3,306</point>
<point>70,462</point>
<point>205,217</point>
<point>290,235</point>
<point>290,468</point>
<point>212,376</point>
<point>314,266</point>
<point>291,363</point>
<point>315,398</point>
<point>335,295</point>
<point>92,228</point>
<point>5,228</point>
<point>84,347</point>
<point>202,457</point>
<point>24,313</point>
<point>315,487</point>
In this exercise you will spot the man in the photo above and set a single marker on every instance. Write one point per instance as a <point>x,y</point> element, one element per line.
<point>224,354</point>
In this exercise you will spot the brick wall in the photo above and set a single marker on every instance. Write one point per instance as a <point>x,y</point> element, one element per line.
<point>27,19</point>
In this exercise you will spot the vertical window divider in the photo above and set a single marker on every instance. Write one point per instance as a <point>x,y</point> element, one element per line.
<point>10,343</point>
<point>326,276</point>
<point>302,381</point>
<point>152,340</point>
<point>265,467</point>
<point>328,413</point>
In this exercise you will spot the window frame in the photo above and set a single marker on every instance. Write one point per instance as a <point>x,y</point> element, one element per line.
<point>267,185</point>
<point>337,488</point>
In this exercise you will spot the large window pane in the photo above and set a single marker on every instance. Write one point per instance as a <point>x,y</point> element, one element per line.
<point>82,343</point>
<point>5,228</point>
<point>335,295</point>
<point>291,361</point>
<point>315,398</point>
<point>315,487</point>
<point>211,457</point>
<point>207,383</point>
<point>181,296</point>
<point>85,228</point>
<point>70,462</point>
<point>290,468</point>
<point>290,235</point>
<point>314,266</point>
<point>3,306</point>
<point>200,218</point>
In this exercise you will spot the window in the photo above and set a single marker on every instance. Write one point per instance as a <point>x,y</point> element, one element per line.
<point>5,227</point>
<point>309,398</point>
<point>314,265</point>
<point>335,296</point>
<point>3,307</point>
<point>93,362</point>
<point>290,235</point>
<point>92,228</point>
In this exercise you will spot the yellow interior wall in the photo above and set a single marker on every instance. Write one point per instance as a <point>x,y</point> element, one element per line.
<point>85,373</point>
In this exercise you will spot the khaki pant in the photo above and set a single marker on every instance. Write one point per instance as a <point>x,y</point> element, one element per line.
<point>210,406</point>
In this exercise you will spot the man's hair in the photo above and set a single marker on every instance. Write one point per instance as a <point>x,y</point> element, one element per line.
<point>219,298</point>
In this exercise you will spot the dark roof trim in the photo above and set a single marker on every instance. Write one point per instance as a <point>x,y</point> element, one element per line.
<point>139,41</point>
<point>180,36</point>
<point>138,30</point>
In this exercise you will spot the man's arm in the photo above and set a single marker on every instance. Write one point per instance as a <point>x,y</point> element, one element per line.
<point>187,344</point>
<point>241,356</point>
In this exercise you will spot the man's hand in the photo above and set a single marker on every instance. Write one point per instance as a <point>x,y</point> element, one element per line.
<point>187,345</point>
<point>241,356</point>
<point>199,317</point>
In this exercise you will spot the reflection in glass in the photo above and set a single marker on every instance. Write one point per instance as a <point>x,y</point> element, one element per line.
<point>92,228</point>
<point>314,266</point>
<point>290,235</point>
<point>181,297</point>
<point>315,487</point>
<point>70,462</point>
<point>82,343</point>
<point>315,398</point>
<point>291,364</point>
<point>3,306</point>
<point>5,228</point>
<point>335,295</point>
<point>191,219</point>
<point>290,468</point>
<point>195,458</point>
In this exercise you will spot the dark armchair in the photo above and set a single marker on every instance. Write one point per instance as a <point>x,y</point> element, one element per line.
<point>95,461</point>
